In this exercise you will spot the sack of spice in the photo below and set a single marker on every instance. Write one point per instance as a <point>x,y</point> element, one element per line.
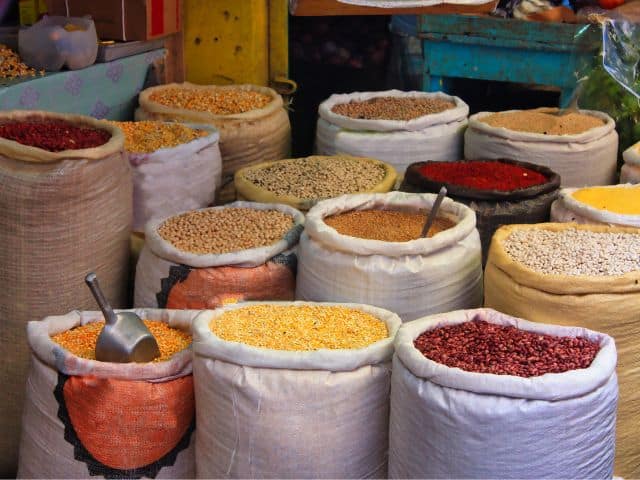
<point>500,192</point>
<point>630,172</point>
<point>367,249</point>
<point>580,147</point>
<point>302,182</point>
<point>397,127</point>
<point>577,275</point>
<point>480,394</point>
<point>609,205</point>
<point>204,258</point>
<point>252,121</point>
<point>87,418</point>
<point>176,168</point>
<point>293,390</point>
<point>65,210</point>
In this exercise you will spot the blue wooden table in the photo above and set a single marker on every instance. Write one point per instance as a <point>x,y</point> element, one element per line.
<point>507,50</point>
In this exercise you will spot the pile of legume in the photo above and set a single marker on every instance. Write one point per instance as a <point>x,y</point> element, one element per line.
<point>11,65</point>
<point>575,251</point>
<point>305,327</point>
<point>480,346</point>
<point>543,123</point>
<point>81,341</point>
<point>225,230</point>
<point>53,135</point>
<point>386,225</point>
<point>624,200</point>
<point>393,108</point>
<point>318,177</point>
<point>218,102</point>
<point>147,137</point>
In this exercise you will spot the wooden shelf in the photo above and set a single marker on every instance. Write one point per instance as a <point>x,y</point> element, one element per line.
<point>321,8</point>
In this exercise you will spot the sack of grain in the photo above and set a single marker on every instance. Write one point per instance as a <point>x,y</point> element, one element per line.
<point>252,121</point>
<point>87,418</point>
<point>410,276</point>
<point>302,182</point>
<point>453,417</point>
<point>630,172</point>
<point>65,210</point>
<point>577,275</point>
<point>582,148</point>
<point>318,410</point>
<point>204,258</point>
<point>397,127</point>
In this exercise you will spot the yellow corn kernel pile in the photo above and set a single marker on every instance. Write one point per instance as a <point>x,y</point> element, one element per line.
<point>299,327</point>
<point>219,102</point>
<point>147,137</point>
<point>12,67</point>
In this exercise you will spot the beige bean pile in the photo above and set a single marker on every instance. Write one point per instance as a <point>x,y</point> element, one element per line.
<point>218,102</point>
<point>393,108</point>
<point>318,177</point>
<point>575,252</point>
<point>300,327</point>
<point>534,121</point>
<point>225,230</point>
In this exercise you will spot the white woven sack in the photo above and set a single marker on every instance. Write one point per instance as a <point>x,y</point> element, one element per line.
<point>448,423</point>
<point>411,3</point>
<point>630,173</point>
<point>585,159</point>
<point>412,279</point>
<point>172,180</point>
<point>289,414</point>
<point>64,437</point>
<point>400,143</point>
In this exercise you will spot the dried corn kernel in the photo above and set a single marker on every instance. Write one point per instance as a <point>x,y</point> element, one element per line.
<point>147,137</point>
<point>11,66</point>
<point>218,102</point>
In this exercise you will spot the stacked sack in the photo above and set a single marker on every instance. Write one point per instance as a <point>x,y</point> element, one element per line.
<point>630,172</point>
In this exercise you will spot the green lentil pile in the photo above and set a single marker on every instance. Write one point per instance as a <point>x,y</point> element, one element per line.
<point>318,177</point>
<point>393,108</point>
<point>225,230</point>
<point>574,251</point>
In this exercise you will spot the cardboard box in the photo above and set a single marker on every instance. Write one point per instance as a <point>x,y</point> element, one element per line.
<point>125,20</point>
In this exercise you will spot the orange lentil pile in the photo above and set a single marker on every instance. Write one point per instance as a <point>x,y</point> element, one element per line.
<point>227,101</point>
<point>81,340</point>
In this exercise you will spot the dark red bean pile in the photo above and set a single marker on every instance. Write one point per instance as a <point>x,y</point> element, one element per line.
<point>54,135</point>
<point>479,346</point>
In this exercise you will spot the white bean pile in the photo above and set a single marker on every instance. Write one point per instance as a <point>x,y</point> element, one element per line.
<point>575,252</point>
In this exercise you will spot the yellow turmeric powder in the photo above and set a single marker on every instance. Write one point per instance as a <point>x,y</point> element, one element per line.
<point>616,199</point>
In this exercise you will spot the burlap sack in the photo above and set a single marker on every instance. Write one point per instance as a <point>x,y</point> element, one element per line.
<point>607,304</point>
<point>87,418</point>
<point>62,215</point>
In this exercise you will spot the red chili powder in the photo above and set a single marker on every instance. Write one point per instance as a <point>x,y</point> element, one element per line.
<point>489,175</point>
<point>54,135</point>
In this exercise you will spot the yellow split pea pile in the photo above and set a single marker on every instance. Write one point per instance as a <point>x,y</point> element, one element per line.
<point>299,327</point>
<point>147,137</point>
<point>219,102</point>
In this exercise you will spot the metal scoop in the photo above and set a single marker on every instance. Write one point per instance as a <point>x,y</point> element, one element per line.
<point>124,338</point>
<point>431,217</point>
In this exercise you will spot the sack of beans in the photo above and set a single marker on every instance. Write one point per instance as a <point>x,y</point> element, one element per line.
<point>480,394</point>
<point>500,192</point>
<point>293,390</point>
<point>85,418</point>
<point>204,258</point>
<point>580,147</point>
<point>577,275</point>
<point>65,210</point>
<point>397,127</point>
<point>630,172</point>
<point>609,205</point>
<point>302,182</point>
<point>252,121</point>
<point>368,249</point>
<point>175,167</point>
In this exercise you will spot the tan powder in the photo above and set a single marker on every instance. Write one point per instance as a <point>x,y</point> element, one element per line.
<point>541,122</point>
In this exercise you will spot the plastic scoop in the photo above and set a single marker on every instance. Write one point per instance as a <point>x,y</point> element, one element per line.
<point>431,217</point>
<point>124,338</point>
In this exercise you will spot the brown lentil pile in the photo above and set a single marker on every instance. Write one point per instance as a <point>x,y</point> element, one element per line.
<point>225,230</point>
<point>218,102</point>
<point>147,137</point>
<point>483,347</point>
<point>11,65</point>
<point>305,327</point>
<point>575,252</point>
<point>81,341</point>
<point>386,225</point>
<point>533,121</point>
<point>393,108</point>
<point>318,177</point>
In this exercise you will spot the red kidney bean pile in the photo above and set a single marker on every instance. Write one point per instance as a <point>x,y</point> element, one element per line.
<point>479,346</point>
<point>53,135</point>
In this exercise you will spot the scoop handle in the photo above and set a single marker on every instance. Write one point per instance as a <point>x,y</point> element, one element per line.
<point>434,212</point>
<point>92,282</point>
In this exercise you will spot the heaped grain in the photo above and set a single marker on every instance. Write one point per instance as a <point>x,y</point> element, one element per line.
<point>534,121</point>
<point>304,327</point>
<point>81,341</point>
<point>11,65</point>
<point>226,101</point>
<point>147,137</point>
<point>386,225</point>
<point>480,346</point>
<point>224,230</point>
<point>393,108</point>
<point>616,199</point>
